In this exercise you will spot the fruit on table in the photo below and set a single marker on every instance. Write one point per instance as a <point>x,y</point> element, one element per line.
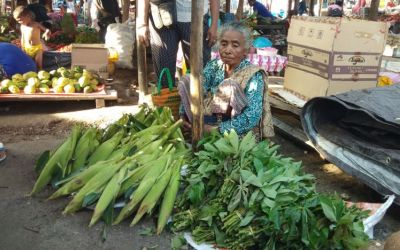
<point>34,82</point>
<point>28,75</point>
<point>13,89</point>
<point>43,75</point>
<point>6,83</point>
<point>17,78</point>
<point>84,80</point>
<point>69,88</point>
<point>29,89</point>
<point>43,88</point>
<point>58,81</point>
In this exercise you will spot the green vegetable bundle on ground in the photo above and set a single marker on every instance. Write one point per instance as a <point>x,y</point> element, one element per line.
<point>243,195</point>
<point>136,160</point>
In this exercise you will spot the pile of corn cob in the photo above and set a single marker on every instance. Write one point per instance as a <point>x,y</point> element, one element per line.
<point>136,160</point>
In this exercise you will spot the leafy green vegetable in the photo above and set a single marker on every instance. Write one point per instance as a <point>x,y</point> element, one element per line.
<point>242,194</point>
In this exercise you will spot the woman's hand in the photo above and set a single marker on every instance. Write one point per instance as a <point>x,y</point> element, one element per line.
<point>46,35</point>
<point>209,128</point>
<point>144,34</point>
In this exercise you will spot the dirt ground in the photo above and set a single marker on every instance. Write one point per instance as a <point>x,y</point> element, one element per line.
<point>29,128</point>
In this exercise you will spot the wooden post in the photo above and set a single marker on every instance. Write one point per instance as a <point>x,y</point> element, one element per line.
<point>289,9</point>
<point>142,66</point>
<point>373,11</point>
<point>296,7</point>
<point>311,8</point>
<point>196,69</point>
<point>320,7</point>
<point>227,6</point>
<point>3,7</point>
<point>239,11</point>
<point>125,10</point>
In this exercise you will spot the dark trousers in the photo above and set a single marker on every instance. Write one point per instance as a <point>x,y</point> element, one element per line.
<point>164,46</point>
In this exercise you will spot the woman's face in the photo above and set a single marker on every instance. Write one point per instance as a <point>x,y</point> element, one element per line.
<point>232,48</point>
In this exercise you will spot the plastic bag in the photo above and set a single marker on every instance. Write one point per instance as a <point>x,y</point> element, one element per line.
<point>121,37</point>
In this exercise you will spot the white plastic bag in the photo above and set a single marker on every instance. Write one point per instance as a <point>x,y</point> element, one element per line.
<point>121,37</point>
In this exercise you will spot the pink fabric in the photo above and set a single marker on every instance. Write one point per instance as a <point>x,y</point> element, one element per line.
<point>268,63</point>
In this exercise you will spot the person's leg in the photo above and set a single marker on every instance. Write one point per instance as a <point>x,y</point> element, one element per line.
<point>184,37</point>
<point>206,48</point>
<point>39,59</point>
<point>164,47</point>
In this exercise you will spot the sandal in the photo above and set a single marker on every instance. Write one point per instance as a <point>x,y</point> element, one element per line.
<point>3,155</point>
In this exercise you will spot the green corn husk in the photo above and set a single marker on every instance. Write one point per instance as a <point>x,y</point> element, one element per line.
<point>169,197</point>
<point>151,198</point>
<point>79,180</point>
<point>82,149</point>
<point>145,185</point>
<point>60,159</point>
<point>109,195</point>
<point>94,184</point>
<point>106,148</point>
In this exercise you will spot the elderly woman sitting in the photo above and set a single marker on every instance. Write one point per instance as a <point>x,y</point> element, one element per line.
<point>233,88</point>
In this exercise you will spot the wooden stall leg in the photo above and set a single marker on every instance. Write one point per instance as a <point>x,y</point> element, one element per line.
<point>100,103</point>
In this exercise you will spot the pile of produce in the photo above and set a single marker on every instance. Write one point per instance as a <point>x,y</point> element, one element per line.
<point>86,35</point>
<point>61,80</point>
<point>5,32</point>
<point>242,195</point>
<point>136,160</point>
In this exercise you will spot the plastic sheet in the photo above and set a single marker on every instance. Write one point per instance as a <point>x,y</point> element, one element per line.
<point>359,131</point>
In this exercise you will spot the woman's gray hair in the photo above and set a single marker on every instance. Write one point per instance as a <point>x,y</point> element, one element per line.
<point>238,27</point>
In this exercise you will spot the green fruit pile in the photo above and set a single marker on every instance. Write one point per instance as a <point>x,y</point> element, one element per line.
<point>61,80</point>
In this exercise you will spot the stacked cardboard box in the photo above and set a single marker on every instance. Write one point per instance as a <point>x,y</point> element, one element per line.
<point>92,57</point>
<point>333,55</point>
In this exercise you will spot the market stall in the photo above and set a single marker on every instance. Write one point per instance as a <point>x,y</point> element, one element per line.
<point>75,66</point>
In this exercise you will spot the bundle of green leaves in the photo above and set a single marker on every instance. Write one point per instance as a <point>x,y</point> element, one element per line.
<point>241,194</point>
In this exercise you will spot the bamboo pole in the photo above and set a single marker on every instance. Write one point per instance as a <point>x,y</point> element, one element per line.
<point>373,11</point>
<point>311,8</point>
<point>3,7</point>
<point>239,11</point>
<point>227,6</point>
<point>125,10</point>
<point>142,66</point>
<point>196,68</point>
<point>320,7</point>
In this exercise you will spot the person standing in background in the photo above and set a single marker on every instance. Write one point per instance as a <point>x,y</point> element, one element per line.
<point>40,13</point>
<point>302,9</point>
<point>357,8</point>
<point>336,9</point>
<point>103,13</point>
<point>164,41</point>
<point>260,9</point>
<point>71,8</point>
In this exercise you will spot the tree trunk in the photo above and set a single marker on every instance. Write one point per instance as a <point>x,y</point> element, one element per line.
<point>239,12</point>
<point>311,8</point>
<point>142,65</point>
<point>3,7</point>
<point>196,69</point>
<point>125,10</point>
<point>227,6</point>
<point>373,11</point>
<point>296,6</point>
<point>289,9</point>
<point>320,7</point>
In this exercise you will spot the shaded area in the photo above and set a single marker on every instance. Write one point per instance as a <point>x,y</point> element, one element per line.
<point>359,131</point>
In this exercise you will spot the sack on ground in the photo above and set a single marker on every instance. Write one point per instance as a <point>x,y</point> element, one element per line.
<point>121,37</point>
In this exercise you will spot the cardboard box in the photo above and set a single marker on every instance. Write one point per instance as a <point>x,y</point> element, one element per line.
<point>93,57</point>
<point>333,55</point>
